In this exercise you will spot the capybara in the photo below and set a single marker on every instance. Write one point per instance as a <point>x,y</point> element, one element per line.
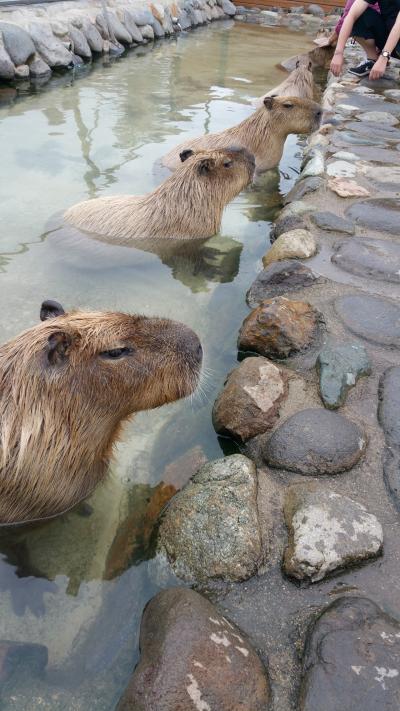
<point>66,387</point>
<point>187,205</point>
<point>300,83</point>
<point>263,133</point>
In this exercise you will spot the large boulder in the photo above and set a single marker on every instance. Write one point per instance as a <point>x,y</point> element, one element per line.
<point>132,27</point>
<point>7,69</point>
<point>327,532</point>
<point>351,659</point>
<point>17,42</point>
<point>279,327</point>
<point>92,34</point>
<point>279,278</point>
<point>81,45</point>
<point>48,46</point>
<point>38,69</point>
<point>250,401</point>
<point>193,658</point>
<point>211,529</point>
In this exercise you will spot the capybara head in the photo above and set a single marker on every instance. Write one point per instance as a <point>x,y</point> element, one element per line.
<point>66,385</point>
<point>224,170</point>
<point>292,114</point>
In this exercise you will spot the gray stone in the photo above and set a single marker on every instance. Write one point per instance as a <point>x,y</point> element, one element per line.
<point>193,658</point>
<point>17,42</point>
<point>302,188</point>
<point>345,155</point>
<point>278,279</point>
<point>211,529</point>
<point>81,45</point>
<point>341,169</point>
<point>371,317</point>
<point>38,68</point>
<point>393,94</point>
<point>339,368</point>
<point>375,131</point>
<point>316,10</point>
<point>167,22</point>
<point>382,214</point>
<point>379,259</point>
<point>184,20</point>
<point>285,223</point>
<point>389,406</point>
<point>48,46</point>
<point>141,17</point>
<point>91,33</point>
<point>250,400</point>
<point>132,27</point>
<point>119,30</point>
<point>7,69</point>
<point>327,532</point>
<point>22,72</point>
<point>379,117</point>
<point>315,165</point>
<point>102,25</point>
<point>147,32</point>
<point>351,659</point>
<point>314,442</point>
<point>332,223</point>
<point>158,29</point>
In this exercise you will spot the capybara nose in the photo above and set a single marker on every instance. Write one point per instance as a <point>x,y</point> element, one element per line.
<point>192,346</point>
<point>318,114</point>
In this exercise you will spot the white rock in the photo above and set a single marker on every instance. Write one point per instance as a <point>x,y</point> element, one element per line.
<point>341,169</point>
<point>315,166</point>
<point>344,155</point>
<point>348,108</point>
<point>378,117</point>
<point>393,94</point>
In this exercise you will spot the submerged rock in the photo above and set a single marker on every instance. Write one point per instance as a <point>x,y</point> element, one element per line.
<point>315,442</point>
<point>21,658</point>
<point>17,42</point>
<point>331,222</point>
<point>371,317</point>
<point>279,278</point>
<point>249,403</point>
<point>279,327</point>
<point>351,659</point>
<point>193,658</point>
<point>210,529</point>
<point>339,368</point>
<point>375,258</point>
<point>327,532</point>
<point>296,244</point>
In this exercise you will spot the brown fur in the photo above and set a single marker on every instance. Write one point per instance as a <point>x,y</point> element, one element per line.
<point>263,133</point>
<point>189,204</point>
<point>62,401</point>
<point>300,83</point>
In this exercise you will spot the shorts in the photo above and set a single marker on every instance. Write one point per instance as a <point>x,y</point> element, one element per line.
<point>371,25</point>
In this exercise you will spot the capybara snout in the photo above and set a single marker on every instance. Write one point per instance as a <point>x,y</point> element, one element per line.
<point>66,386</point>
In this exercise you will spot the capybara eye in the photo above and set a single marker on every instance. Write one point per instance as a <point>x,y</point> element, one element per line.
<point>227,163</point>
<point>288,105</point>
<point>116,353</point>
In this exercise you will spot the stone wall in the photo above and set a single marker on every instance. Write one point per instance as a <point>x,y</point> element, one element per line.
<point>35,40</point>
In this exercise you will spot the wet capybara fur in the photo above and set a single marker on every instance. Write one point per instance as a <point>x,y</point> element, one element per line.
<point>300,83</point>
<point>263,133</point>
<point>187,205</point>
<point>66,387</point>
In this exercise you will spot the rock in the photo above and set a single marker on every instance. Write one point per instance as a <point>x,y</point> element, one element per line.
<point>158,11</point>
<point>389,406</point>
<point>345,155</point>
<point>384,175</point>
<point>279,278</point>
<point>17,43</point>
<point>393,94</point>
<point>22,72</point>
<point>351,659</point>
<point>331,222</point>
<point>89,29</point>
<point>141,17</point>
<point>296,244</point>
<point>347,108</point>
<point>302,188</point>
<point>210,528</point>
<point>379,117</point>
<point>315,442</point>
<point>147,32</point>
<point>316,10</point>
<point>249,403</point>
<point>314,166</point>
<point>38,68</point>
<point>347,188</point>
<point>48,46</point>
<point>193,658</point>
<point>379,259</point>
<point>7,69</point>
<point>184,467</point>
<point>339,368</point>
<point>327,532</point>
<point>120,32</point>
<point>341,169</point>
<point>371,317</point>
<point>59,29</point>
<point>286,223</point>
<point>158,29</point>
<point>132,27</point>
<point>382,214</point>
<point>279,327</point>
<point>228,7</point>
<point>297,207</point>
<point>81,45</point>
<point>21,658</point>
<point>184,19</point>
<point>379,131</point>
<point>269,17</point>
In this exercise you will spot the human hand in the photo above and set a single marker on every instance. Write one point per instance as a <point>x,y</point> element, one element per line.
<point>336,64</point>
<point>379,68</point>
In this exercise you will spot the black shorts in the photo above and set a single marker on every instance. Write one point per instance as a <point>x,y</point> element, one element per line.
<point>371,25</point>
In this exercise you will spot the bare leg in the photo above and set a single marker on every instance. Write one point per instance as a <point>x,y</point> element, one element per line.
<point>369,47</point>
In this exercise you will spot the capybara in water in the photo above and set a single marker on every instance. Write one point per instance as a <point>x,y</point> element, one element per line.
<point>187,205</point>
<point>263,133</point>
<point>300,83</point>
<point>66,386</point>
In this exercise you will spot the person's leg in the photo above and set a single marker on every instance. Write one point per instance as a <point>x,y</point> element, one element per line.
<point>369,47</point>
<point>369,31</point>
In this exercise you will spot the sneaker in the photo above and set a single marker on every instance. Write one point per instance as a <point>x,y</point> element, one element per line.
<point>363,69</point>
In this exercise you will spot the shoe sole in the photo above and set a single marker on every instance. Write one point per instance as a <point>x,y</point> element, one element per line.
<point>357,74</point>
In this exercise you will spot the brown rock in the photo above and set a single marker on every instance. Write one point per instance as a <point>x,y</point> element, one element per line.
<point>182,469</point>
<point>347,188</point>
<point>279,327</point>
<point>193,659</point>
<point>249,403</point>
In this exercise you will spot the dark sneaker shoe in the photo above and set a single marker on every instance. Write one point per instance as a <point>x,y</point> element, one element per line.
<point>363,69</point>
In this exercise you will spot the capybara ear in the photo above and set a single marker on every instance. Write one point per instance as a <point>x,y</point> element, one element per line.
<point>184,155</point>
<point>57,347</point>
<point>50,309</point>
<point>206,166</point>
<point>269,102</point>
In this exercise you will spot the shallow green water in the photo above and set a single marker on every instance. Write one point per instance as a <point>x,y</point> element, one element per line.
<point>99,135</point>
